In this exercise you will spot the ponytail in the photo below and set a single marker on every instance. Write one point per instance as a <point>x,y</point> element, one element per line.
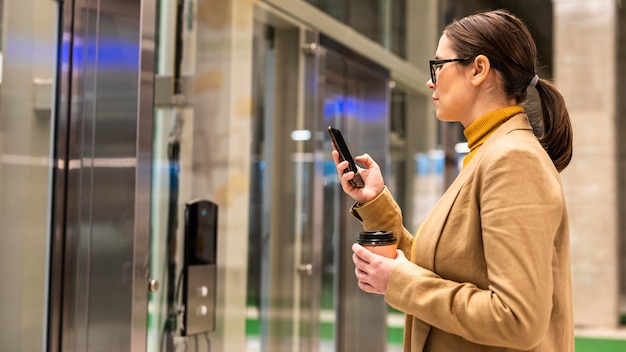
<point>556,136</point>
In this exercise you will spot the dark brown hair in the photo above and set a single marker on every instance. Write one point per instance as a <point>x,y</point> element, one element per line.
<point>505,40</point>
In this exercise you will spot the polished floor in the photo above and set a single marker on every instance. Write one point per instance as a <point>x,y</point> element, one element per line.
<point>586,340</point>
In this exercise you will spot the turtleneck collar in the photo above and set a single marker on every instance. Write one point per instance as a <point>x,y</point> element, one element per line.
<point>479,130</point>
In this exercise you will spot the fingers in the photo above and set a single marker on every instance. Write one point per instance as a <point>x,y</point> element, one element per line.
<point>362,253</point>
<point>363,281</point>
<point>367,287</point>
<point>341,167</point>
<point>361,275</point>
<point>364,159</point>
<point>345,178</point>
<point>361,263</point>
<point>372,270</point>
<point>344,163</point>
<point>335,154</point>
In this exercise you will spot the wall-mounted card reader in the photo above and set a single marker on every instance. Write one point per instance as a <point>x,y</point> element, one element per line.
<point>200,267</point>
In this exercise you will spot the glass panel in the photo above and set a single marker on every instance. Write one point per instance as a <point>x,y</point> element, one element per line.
<point>171,179</point>
<point>416,179</point>
<point>280,215</point>
<point>260,189</point>
<point>334,105</point>
<point>206,124</point>
<point>298,210</point>
<point>367,18</point>
<point>383,21</point>
<point>399,163</point>
<point>395,31</point>
<point>337,9</point>
<point>354,99</point>
<point>28,48</point>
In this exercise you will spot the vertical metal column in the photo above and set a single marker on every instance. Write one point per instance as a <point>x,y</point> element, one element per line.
<point>145,114</point>
<point>102,176</point>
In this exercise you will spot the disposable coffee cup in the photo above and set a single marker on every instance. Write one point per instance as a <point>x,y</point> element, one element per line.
<point>380,242</point>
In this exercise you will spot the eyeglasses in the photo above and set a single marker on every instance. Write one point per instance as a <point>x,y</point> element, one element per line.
<point>436,65</point>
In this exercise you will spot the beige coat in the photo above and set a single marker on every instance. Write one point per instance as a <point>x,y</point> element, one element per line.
<point>491,265</point>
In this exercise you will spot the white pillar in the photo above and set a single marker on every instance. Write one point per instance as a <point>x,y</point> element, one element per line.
<point>585,72</point>
<point>222,101</point>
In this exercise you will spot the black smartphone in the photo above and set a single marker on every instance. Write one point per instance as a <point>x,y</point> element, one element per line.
<point>344,154</point>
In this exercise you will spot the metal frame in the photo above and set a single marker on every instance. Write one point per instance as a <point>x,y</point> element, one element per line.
<point>145,114</point>
<point>60,176</point>
<point>401,71</point>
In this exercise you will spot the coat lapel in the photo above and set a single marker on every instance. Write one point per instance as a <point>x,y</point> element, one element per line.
<point>428,238</point>
<point>426,242</point>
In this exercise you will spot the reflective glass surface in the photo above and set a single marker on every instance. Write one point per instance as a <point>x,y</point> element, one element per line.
<point>27,77</point>
<point>383,21</point>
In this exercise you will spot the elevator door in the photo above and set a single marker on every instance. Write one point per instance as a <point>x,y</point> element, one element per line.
<point>301,278</point>
<point>100,211</point>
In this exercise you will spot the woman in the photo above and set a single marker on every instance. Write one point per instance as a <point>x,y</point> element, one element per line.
<point>489,268</point>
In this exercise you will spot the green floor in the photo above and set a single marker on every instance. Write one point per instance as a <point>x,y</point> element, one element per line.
<point>599,345</point>
<point>394,337</point>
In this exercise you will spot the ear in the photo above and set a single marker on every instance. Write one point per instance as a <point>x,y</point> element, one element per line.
<point>481,68</point>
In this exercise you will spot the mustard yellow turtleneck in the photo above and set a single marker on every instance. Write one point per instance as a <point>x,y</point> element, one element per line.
<point>478,131</point>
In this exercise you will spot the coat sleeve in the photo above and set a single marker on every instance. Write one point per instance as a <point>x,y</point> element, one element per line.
<point>383,213</point>
<point>521,206</point>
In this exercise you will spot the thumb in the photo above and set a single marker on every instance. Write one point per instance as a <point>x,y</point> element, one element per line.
<point>366,160</point>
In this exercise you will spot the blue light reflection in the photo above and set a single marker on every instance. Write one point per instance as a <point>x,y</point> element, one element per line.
<point>362,110</point>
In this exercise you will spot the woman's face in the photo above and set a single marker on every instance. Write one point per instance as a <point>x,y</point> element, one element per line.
<point>452,94</point>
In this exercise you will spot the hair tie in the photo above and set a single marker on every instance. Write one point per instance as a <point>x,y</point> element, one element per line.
<point>533,82</point>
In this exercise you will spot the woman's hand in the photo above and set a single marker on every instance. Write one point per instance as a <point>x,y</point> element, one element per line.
<point>373,270</point>
<point>372,177</point>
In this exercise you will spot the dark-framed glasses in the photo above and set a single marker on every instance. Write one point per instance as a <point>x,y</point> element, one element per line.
<point>435,66</point>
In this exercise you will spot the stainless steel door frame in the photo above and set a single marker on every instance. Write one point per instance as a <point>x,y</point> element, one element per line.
<point>101,179</point>
<point>143,175</point>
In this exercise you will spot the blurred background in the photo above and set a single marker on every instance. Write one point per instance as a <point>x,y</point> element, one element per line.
<point>166,182</point>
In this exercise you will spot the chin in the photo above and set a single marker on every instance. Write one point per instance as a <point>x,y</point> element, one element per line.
<point>443,117</point>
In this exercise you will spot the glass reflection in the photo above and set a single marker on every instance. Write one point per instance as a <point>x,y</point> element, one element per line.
<point>383,21</point>
<point>27,77</point>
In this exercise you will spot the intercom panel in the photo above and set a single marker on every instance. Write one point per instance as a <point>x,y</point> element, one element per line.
<point>200,267</point>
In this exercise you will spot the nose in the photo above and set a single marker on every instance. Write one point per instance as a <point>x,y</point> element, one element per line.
<point>430,85</point>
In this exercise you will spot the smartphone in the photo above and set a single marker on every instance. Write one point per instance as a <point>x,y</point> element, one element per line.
<point>344,154</point>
